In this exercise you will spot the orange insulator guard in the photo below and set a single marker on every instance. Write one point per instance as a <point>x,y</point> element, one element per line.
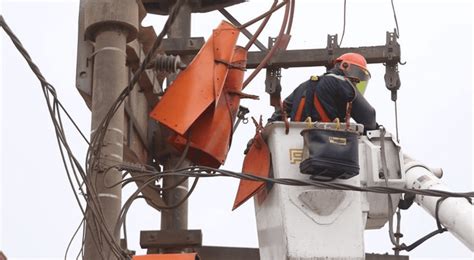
<point>256,162</point>
<point>189,256</point>
<point>200,84</point>
<point>211,134</point>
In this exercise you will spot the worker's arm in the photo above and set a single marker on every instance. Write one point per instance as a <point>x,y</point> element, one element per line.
<point>363,112</point>
<point>287,106</point>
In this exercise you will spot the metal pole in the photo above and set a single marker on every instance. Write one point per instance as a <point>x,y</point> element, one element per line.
<point>176,219</point>
<point>110,76</point>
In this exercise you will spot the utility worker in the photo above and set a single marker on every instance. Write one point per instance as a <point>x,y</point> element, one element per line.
<point>325,98</point>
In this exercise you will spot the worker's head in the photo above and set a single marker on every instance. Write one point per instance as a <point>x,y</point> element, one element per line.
<point>354,67</point>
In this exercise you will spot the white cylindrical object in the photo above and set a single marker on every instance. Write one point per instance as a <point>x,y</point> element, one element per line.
<point>456,214</point>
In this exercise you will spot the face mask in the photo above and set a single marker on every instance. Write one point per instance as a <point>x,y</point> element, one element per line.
<point>361,86</point>
<point>359,75</point>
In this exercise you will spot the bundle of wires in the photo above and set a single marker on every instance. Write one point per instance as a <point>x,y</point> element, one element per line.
<point>78,175</point>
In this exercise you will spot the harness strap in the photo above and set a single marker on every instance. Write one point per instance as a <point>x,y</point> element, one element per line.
<point>299,112</point>
<point>320,109</point>
<point>316,103</point>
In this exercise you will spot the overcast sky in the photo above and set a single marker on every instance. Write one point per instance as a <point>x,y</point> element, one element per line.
<point>38,213</point>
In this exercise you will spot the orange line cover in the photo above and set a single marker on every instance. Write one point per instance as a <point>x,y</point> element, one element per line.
<point>200,84</point>
<point>256,162</point>
<point>191,256</point>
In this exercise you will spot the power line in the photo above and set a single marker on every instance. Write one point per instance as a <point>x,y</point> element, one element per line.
<point>287,17</point>
<point>343,25</point>
<point>209,172</point>
<point>73,236</point>
<point>395,17</point>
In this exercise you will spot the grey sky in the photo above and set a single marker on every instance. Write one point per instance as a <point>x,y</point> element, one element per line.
<point>38,213</point>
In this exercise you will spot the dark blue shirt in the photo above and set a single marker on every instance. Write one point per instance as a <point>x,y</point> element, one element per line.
<point>333,92</point>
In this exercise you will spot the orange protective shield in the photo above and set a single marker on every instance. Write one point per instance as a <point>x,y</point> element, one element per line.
<point>256,162</point>
<point>211,133</point>
<point>189,256</point>
<point>200,84</point>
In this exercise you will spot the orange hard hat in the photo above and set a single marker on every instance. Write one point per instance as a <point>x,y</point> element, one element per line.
<point>354,66</point>
<point>353,58</point>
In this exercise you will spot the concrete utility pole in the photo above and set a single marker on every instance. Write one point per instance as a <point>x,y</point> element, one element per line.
<point>177,219</point>
<point>110,24</point>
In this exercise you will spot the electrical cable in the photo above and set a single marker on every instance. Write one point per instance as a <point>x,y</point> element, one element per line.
<point>202,171</point>
<point>396,120</point>
<point>440,229</point>
<point>128,203</point>
<point>209,172</point>
<point>81,251</point>
<point>72,238</point>
<point>389,197</point>
<point>74,123</point>
<point>274,48</point>
<point>260,17</point>
<point>397,33</point>
<point>97,139</point>
<point>398,235</point>
<point>290,19</point>
<point>93,204</point>
<point>261,27</point>
<point>343,25</point>
<point>124,229</point>
<point>48,91</point>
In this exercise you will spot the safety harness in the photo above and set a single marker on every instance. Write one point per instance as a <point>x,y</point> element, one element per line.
<point>317,104</point>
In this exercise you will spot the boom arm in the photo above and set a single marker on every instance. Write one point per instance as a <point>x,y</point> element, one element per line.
<point>456,214</point>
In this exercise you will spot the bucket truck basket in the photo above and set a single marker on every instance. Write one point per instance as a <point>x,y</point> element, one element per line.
<point>330,152</point>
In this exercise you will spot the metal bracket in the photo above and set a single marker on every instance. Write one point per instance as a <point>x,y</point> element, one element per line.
<point>241,114</point>
<point>392,77</point>
<point>182,46</point>
<point>391,44</point>
<point>373,135</point>
<point>171,239</point>
<point>272,81</point>
<point>241,117</point>
<point>332,45</point>
<point>133,124</point>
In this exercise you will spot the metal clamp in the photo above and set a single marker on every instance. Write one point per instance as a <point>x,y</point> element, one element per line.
<point>392,77</point>
<point>332,45</point>
<point>273,81</point>
<point>241,117</point>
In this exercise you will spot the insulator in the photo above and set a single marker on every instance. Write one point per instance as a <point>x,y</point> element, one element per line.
<point>168,63</point>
